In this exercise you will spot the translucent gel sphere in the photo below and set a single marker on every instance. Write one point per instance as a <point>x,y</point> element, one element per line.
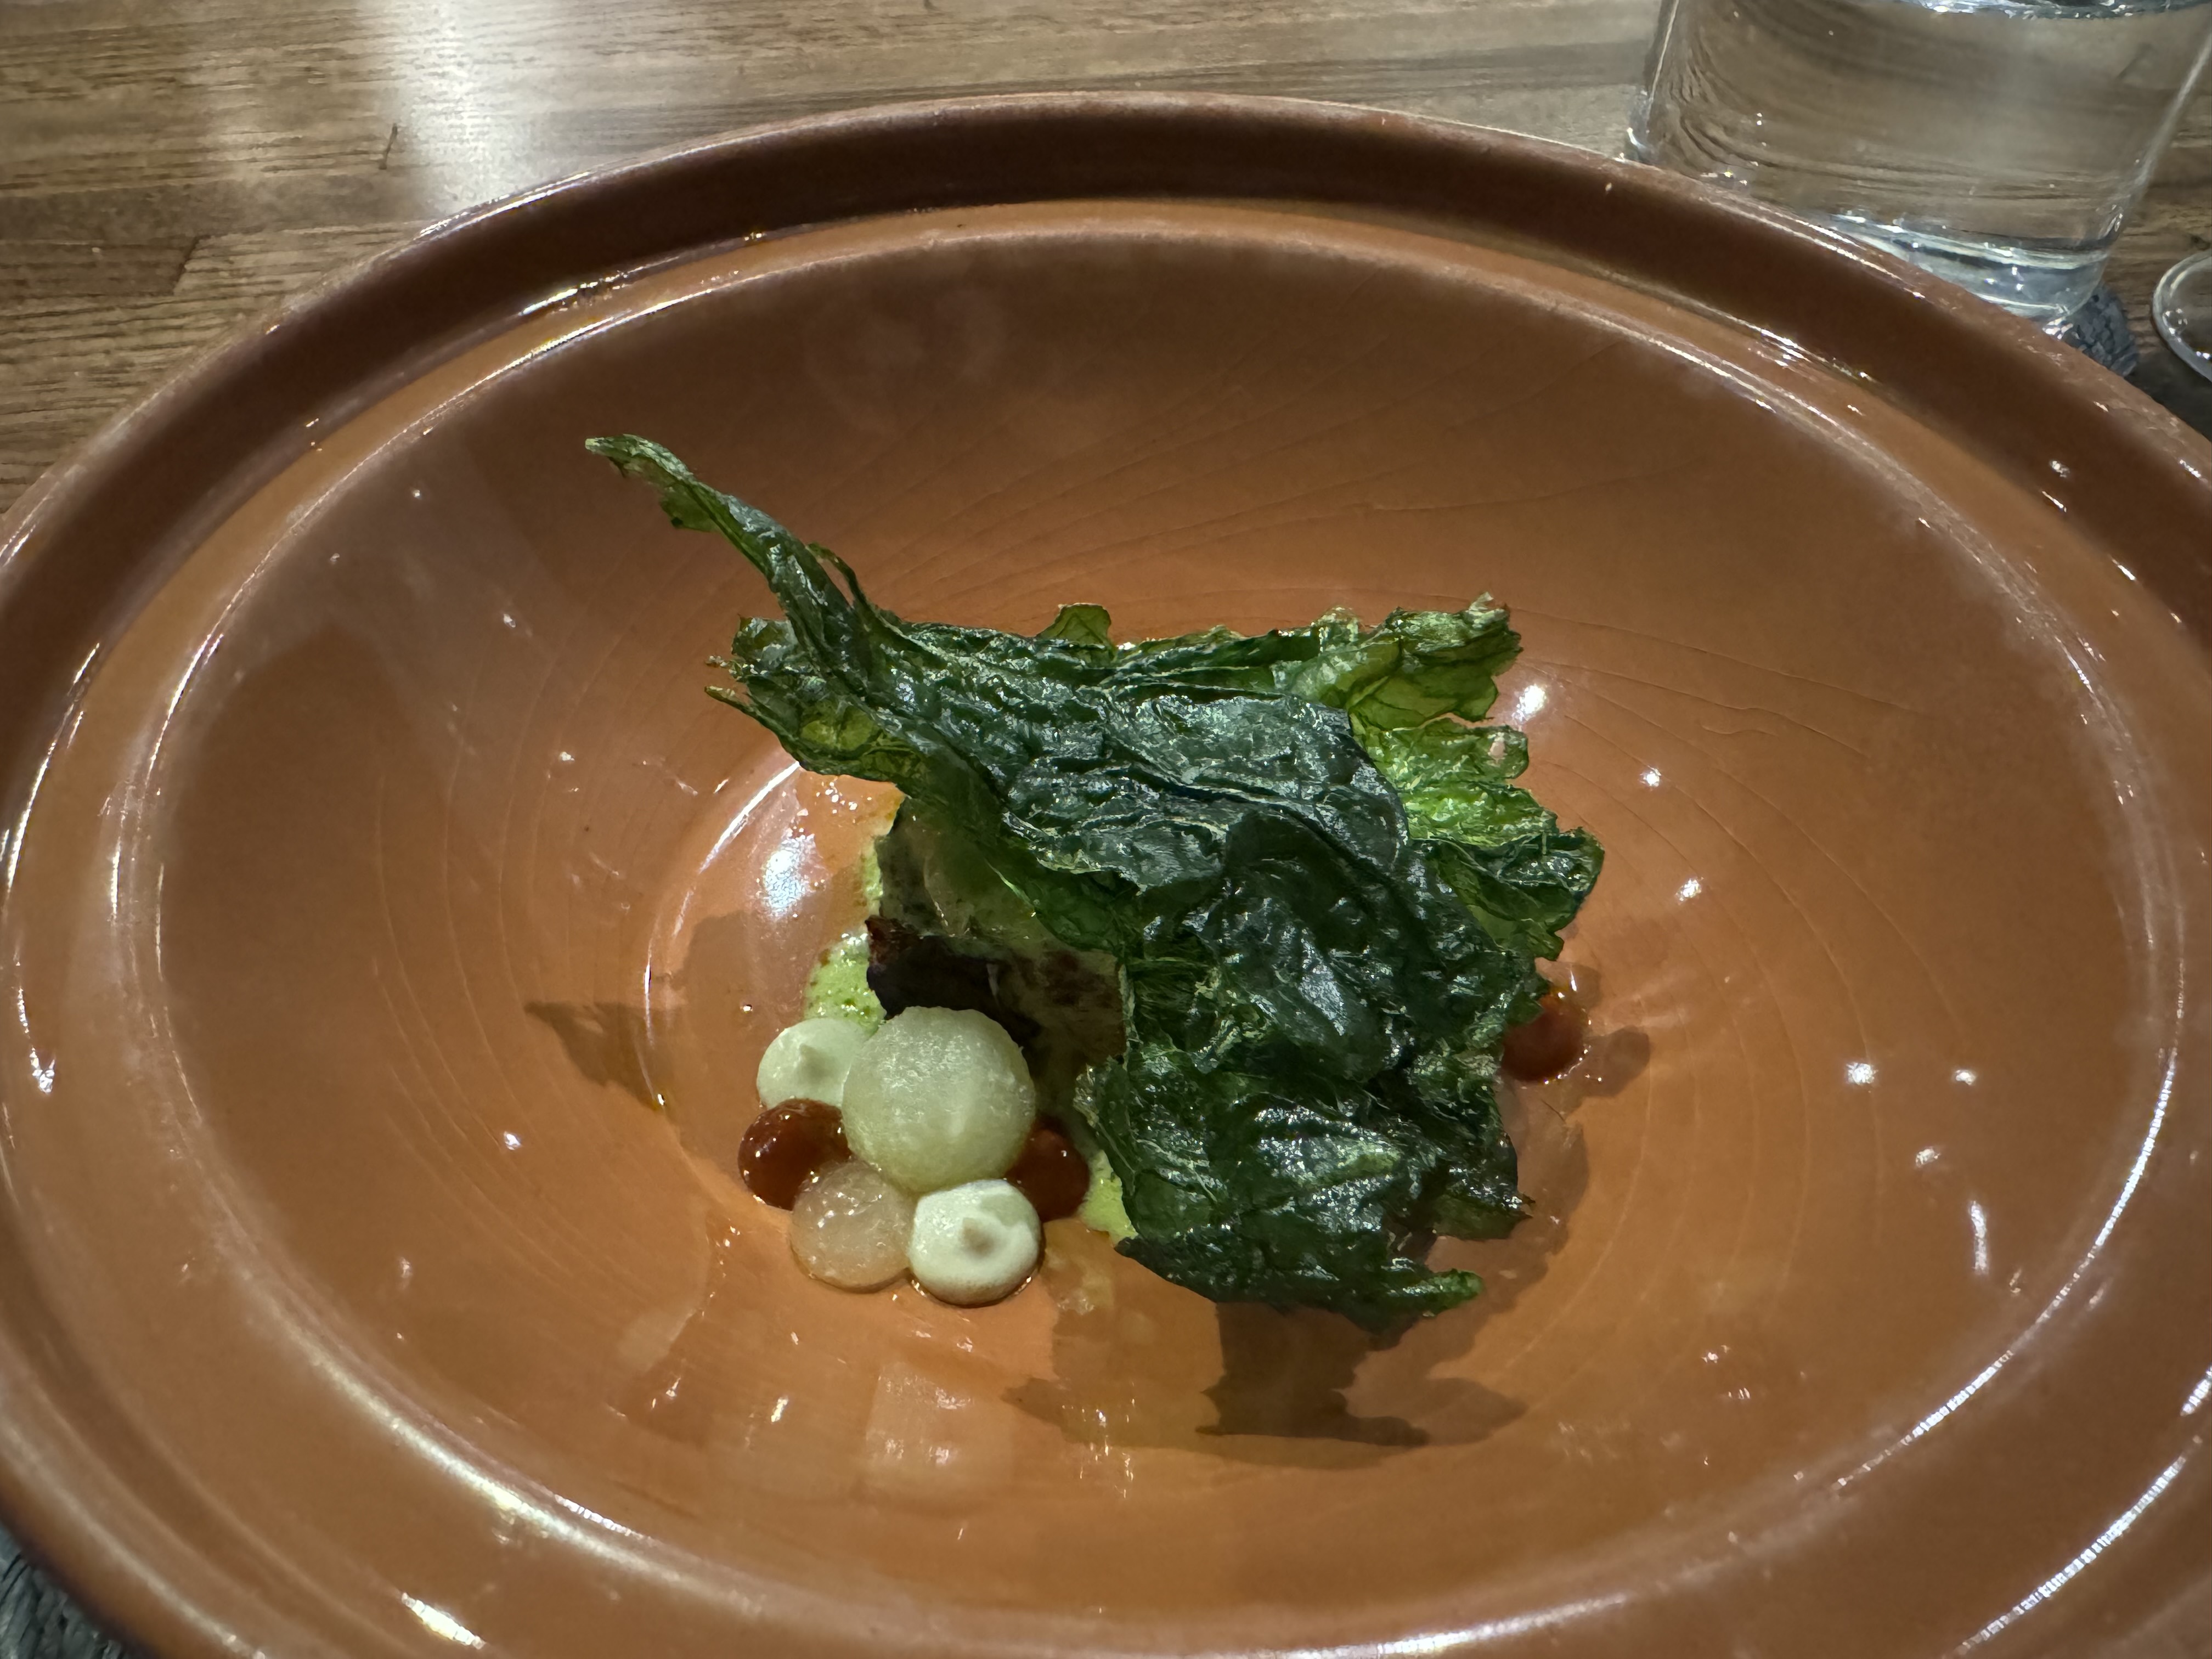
<point>849,1228</point>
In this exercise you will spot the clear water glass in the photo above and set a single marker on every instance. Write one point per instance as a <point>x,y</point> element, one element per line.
<point>2000,143</point>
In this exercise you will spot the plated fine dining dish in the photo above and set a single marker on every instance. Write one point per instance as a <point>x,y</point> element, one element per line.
<point>395,943</point>
<point>1217,940</point>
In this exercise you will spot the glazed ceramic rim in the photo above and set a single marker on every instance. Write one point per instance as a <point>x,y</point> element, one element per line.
<point>141,489</point>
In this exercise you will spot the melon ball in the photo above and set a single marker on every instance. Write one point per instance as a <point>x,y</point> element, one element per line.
<point>850,1227</point>
<point>974,1244</point>
<point>808,1061</point>
<point>939,1097</point>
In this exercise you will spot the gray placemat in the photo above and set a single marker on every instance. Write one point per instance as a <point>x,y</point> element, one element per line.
<point>38,1621</point>
<point>2100,329</point>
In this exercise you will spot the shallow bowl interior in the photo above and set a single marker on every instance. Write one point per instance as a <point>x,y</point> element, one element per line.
<point>395,926</point>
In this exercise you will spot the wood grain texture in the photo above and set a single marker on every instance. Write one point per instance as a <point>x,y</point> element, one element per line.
<point>170,168</point>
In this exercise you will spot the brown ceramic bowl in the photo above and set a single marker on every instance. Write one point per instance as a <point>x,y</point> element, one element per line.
<point>390,926</point>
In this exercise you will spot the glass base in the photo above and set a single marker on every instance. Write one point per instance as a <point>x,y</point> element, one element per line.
<point>2181,306</point>
<point>2045,282</point>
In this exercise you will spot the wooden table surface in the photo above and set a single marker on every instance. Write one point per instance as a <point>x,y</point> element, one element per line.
<point>169,168</point>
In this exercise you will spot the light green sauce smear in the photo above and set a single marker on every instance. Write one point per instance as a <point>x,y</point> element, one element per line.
<point>1102,1209</point>
<point>838,986</point>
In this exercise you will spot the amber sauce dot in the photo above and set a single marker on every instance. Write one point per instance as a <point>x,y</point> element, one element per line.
<point>1547,1045</point>
<point>786,1145</point>
<point>1050,1173</point>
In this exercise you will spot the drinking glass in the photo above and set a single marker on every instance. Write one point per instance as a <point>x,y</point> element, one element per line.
<point>2000,143</point>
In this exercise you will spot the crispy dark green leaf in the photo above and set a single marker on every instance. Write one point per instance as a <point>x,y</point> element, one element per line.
<point>1085,625</point>
<point>1324,891</point>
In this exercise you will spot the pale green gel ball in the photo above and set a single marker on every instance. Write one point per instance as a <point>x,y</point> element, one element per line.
<point>936,1098</point>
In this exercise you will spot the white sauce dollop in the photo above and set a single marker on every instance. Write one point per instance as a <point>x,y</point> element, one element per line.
<point>974,1244</point>
<point>808,1061</point>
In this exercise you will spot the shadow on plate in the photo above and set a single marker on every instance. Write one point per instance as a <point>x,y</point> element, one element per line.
<point>604,1041</point>
<point>1298,1386</point>
<point>1139,1362</point>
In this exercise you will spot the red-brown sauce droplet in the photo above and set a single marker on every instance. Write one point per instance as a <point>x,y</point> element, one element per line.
<point>1549,1043</point>
<point>1050,1173</point>
<point>786,1145</point>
